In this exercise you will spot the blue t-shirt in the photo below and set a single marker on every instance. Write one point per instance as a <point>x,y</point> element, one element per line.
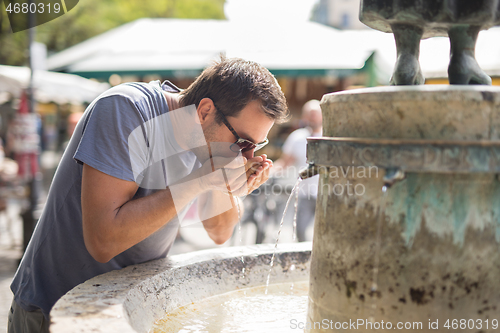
<point>56,259</point>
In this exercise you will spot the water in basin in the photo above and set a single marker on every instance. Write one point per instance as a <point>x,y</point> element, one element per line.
<point>242,311</point>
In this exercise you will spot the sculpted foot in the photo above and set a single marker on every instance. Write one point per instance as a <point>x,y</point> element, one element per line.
<point>407,71</point>
<point>463,68</point>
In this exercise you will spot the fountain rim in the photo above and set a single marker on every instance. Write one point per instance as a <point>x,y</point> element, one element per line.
<point>426,91</point>
<point>406,155</point>
<point>416,142</point>
<point>103,304</point>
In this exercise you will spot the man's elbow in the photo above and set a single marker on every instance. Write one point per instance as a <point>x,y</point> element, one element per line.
<point>219,240</point>
<point>219,229</point>
<point>219,237</point>
<point>98,250</point>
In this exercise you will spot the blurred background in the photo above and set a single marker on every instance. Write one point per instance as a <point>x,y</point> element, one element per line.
<point>49,74</point>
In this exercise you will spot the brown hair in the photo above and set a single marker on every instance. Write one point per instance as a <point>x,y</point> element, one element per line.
<point>232,83</point>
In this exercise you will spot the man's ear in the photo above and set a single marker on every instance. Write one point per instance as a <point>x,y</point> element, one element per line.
<point>205,110</point>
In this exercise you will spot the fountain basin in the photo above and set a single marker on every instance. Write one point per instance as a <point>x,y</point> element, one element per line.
<point>133,298</point>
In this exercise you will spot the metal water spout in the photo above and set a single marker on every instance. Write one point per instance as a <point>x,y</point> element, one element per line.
<point>309,171</point>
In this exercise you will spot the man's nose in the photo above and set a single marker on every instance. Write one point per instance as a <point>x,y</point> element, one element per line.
<point>248,154</point>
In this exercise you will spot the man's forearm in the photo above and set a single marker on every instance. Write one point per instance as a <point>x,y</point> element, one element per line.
<point>113,222</point>
<point>108,232</point>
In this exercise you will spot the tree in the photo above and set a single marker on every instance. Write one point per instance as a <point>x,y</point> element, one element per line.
<point>92,17</point>
<point>13,47</point>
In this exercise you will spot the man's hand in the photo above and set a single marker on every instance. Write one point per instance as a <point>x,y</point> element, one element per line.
<point>236,176</point>
<point>220,226</point>
<point>258,169</point>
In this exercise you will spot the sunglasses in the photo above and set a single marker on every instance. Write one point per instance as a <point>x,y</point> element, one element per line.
<point>240,144</point>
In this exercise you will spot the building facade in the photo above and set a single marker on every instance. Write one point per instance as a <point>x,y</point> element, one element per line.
<point>340,14</point>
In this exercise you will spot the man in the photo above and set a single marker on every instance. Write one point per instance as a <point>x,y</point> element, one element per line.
<point>293,159</point>
<point>144,152</point>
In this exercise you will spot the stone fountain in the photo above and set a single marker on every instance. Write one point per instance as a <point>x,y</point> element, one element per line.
<point>407,223</point>
<point>429,247</point>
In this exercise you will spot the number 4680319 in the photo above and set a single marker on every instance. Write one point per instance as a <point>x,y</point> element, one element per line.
<point>471,324</point>
<point>25,8</point>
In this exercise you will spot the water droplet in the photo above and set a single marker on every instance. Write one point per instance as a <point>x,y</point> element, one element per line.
<point>292,268</point>
<point>384,188</point>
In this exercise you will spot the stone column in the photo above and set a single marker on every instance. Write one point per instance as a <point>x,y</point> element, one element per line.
<point>428,250</point>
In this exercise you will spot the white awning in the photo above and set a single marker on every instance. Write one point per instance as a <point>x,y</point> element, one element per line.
<point>50,86</point>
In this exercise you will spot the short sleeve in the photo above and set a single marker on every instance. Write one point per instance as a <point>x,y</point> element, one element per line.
<point>104,140</point>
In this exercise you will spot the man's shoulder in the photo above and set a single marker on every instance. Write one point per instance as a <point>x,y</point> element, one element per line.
<point>133,91</point>
<point>129,100</point>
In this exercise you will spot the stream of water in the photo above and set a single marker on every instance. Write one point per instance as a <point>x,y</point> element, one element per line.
<point>295,187</point>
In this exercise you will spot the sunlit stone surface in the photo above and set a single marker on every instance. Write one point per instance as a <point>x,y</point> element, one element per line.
<point>132,299</point>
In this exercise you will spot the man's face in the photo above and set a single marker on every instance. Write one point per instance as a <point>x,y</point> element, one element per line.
<point>250,124</point>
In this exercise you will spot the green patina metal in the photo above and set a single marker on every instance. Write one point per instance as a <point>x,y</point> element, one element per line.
<point>446,204</point>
